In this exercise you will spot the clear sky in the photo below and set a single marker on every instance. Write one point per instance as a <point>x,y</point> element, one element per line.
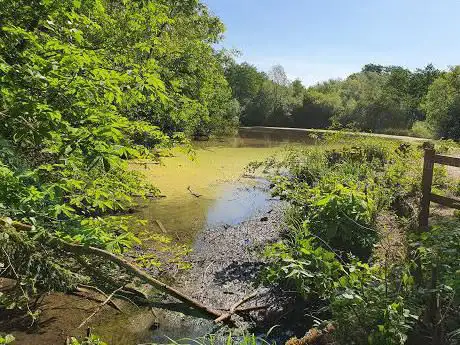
<point>320,39</point>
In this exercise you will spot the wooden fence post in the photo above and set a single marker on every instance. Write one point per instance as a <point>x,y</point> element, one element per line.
<point>427,180</point>
<point>433,303</point>
<point>424,213</point>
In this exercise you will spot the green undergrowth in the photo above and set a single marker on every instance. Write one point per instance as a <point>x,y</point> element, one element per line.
<point>6,339</point>
<point>211,339</point>
<point>349,201</point>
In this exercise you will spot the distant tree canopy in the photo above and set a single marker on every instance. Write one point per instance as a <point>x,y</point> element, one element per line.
<point>377,99</point>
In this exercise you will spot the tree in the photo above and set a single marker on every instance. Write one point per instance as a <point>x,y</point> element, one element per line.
<point>297,88</point>
<point>419,84</point>
<point>86,85</point>
<point>278,76</point>
<point>442,104</point>
<point>245,81</point>
<point>373,68</point>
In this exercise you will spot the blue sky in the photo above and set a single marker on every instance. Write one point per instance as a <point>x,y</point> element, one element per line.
<point>322,39</point>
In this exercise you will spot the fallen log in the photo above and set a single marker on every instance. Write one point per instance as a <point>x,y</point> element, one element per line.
<point>123,263</point>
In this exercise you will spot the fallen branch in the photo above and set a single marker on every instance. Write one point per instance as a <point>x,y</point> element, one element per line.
<point>99,307</point>
<point>194,194</point>
<point>75,248</point>
<point>226,316</point>
<point>123,263</point>
<point>248,309</point>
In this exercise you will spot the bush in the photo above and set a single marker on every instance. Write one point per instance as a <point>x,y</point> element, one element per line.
<point>422,129</point>
<point>342,216</point>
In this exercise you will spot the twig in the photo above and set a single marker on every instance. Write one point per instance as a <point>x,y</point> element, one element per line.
<point>163,229</point>
<point>95,288</point>
<point>225,316</point>
<point>126,299</point>
<point>194,194</point>
<point>100,307</point>
<point>248,309</point>
<point>161,226</point>
<point>214,237</point>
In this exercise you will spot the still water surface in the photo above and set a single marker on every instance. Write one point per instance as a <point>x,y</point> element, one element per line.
<point>216,172</point>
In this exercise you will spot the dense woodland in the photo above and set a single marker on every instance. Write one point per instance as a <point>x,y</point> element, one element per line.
<point>87,85</point>
<point>385,99</point>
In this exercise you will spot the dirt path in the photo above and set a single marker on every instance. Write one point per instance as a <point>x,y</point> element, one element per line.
<point>328,131</point>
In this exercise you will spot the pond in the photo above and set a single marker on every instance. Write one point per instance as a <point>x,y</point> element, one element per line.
<point>215,173</point>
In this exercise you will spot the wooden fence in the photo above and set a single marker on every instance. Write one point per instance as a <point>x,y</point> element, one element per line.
<point>427,180</point>
<point>433,307</point>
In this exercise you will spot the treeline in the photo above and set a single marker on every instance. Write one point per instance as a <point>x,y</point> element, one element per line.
<point>392,99</point>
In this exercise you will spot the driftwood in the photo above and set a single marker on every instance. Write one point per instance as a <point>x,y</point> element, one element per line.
<point>123,263</point>
<point>232,310</point>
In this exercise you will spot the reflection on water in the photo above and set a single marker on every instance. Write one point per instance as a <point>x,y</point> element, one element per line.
<point>237,204</point>
<point>215,174</point>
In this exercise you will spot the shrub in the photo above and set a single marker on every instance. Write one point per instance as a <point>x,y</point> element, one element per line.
<point>422,129</point>
<point>369,306</point>
<point>342,216</point>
